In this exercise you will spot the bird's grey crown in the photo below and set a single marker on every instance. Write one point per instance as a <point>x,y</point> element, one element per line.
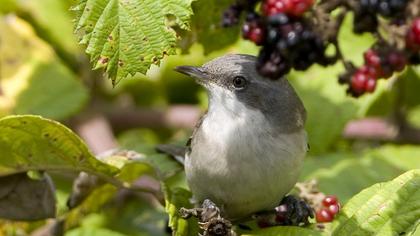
<point>276,99</point>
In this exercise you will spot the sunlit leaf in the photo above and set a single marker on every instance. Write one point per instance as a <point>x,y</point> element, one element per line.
<point>389,208</point>
<point>33,143</point>
<point>126,37</point>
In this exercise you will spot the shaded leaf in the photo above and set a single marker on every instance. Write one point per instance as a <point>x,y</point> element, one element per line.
<point>92,231</point>
<point>23,198</point>
<point>59,32</point>
<point>126,37</point>
<point>206,26</point>
<point>29,68</point>
<point>389,208</point>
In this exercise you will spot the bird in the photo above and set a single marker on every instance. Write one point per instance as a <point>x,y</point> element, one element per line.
<point>246,152</point>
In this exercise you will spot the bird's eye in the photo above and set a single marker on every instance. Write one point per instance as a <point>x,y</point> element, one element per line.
<point>239,82</point>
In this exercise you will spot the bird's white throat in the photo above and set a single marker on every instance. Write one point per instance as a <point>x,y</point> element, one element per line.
<point>238,158</point>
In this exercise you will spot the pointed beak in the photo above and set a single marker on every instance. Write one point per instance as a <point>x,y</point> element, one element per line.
<point>193,71</point>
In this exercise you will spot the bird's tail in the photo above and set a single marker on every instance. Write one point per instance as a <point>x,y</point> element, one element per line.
<point>175,151</point>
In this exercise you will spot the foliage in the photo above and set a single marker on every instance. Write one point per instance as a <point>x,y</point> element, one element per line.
<point>46,76</point>
<point>126,37</point>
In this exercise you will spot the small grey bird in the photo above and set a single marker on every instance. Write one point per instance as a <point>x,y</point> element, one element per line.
<point>246,153</point>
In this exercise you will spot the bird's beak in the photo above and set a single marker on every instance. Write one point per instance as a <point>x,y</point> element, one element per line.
<point>194,71</point>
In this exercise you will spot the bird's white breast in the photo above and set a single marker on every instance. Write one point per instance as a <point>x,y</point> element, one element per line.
<point>240,162</point>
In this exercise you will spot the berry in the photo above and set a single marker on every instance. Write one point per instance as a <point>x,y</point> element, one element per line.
<point>397,61</point>
<point>298,7</point>
<point>358,81</point>
<point>370,85</point>
<point>330,200</point>
<point>272,7</point>
<point>413,35</point>
<point>333,209</point>
<point>323,216</point>
<point>372,58</point>
<point>254,33</point>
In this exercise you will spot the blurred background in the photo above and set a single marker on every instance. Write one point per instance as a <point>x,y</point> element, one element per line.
<point>44,71</point>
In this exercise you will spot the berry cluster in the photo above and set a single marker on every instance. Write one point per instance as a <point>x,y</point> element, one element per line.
<point>367,11</point>
<point>294,34</point>
<point>330,208</point>
<point>380,62</point>
<point>294,8</point>
<point>288,40</point>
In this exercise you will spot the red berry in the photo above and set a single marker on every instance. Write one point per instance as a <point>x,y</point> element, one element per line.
<point>272,7</point>
<point>397,61</point>
<point>298,7</point>
<point>333,209</point>
<point>330,200</point>
<point>415,28</point>
<point>256,35</point>
<point>372,58</point>
<point>323,216</point>
<point>370,85</point>
<point>413,35</point>
<point>358,81</point>
<point>370,71</point>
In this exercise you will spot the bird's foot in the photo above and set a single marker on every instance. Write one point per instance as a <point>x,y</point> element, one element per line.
<point>291,211</point>
<point>209,219</point>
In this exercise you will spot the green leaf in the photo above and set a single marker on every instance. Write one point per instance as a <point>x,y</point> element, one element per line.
<point>59,32</point>
<point>389,208</point>
<point>284,231</point>
<point>29,68</point>
<point>345,174</point>
<point>34,143</point>
<point>92,231</point>
<point>126,37</point>
<point>206,26</point>
<point>175,198</point>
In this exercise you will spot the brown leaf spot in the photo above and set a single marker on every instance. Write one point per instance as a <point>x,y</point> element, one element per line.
<point>141,58</point>
<point>145,39</point>
<point>104,60</point>
<point>120,63</point>
<point>110,38</point>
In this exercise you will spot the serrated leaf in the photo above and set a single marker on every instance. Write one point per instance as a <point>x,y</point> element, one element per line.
<point>389,208</point>
<point>284,231</point>
<point>34,143</point>
<point>127,36</point>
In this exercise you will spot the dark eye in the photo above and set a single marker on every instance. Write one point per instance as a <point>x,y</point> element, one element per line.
<point>239,82</point>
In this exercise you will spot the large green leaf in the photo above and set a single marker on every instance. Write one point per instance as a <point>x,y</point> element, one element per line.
<point>33,143</point>
<point>390,208</point>
<point>126,37</point>
<point>29,67</point>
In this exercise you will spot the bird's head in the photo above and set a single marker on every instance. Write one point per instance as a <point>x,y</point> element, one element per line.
<point>232,82</point>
